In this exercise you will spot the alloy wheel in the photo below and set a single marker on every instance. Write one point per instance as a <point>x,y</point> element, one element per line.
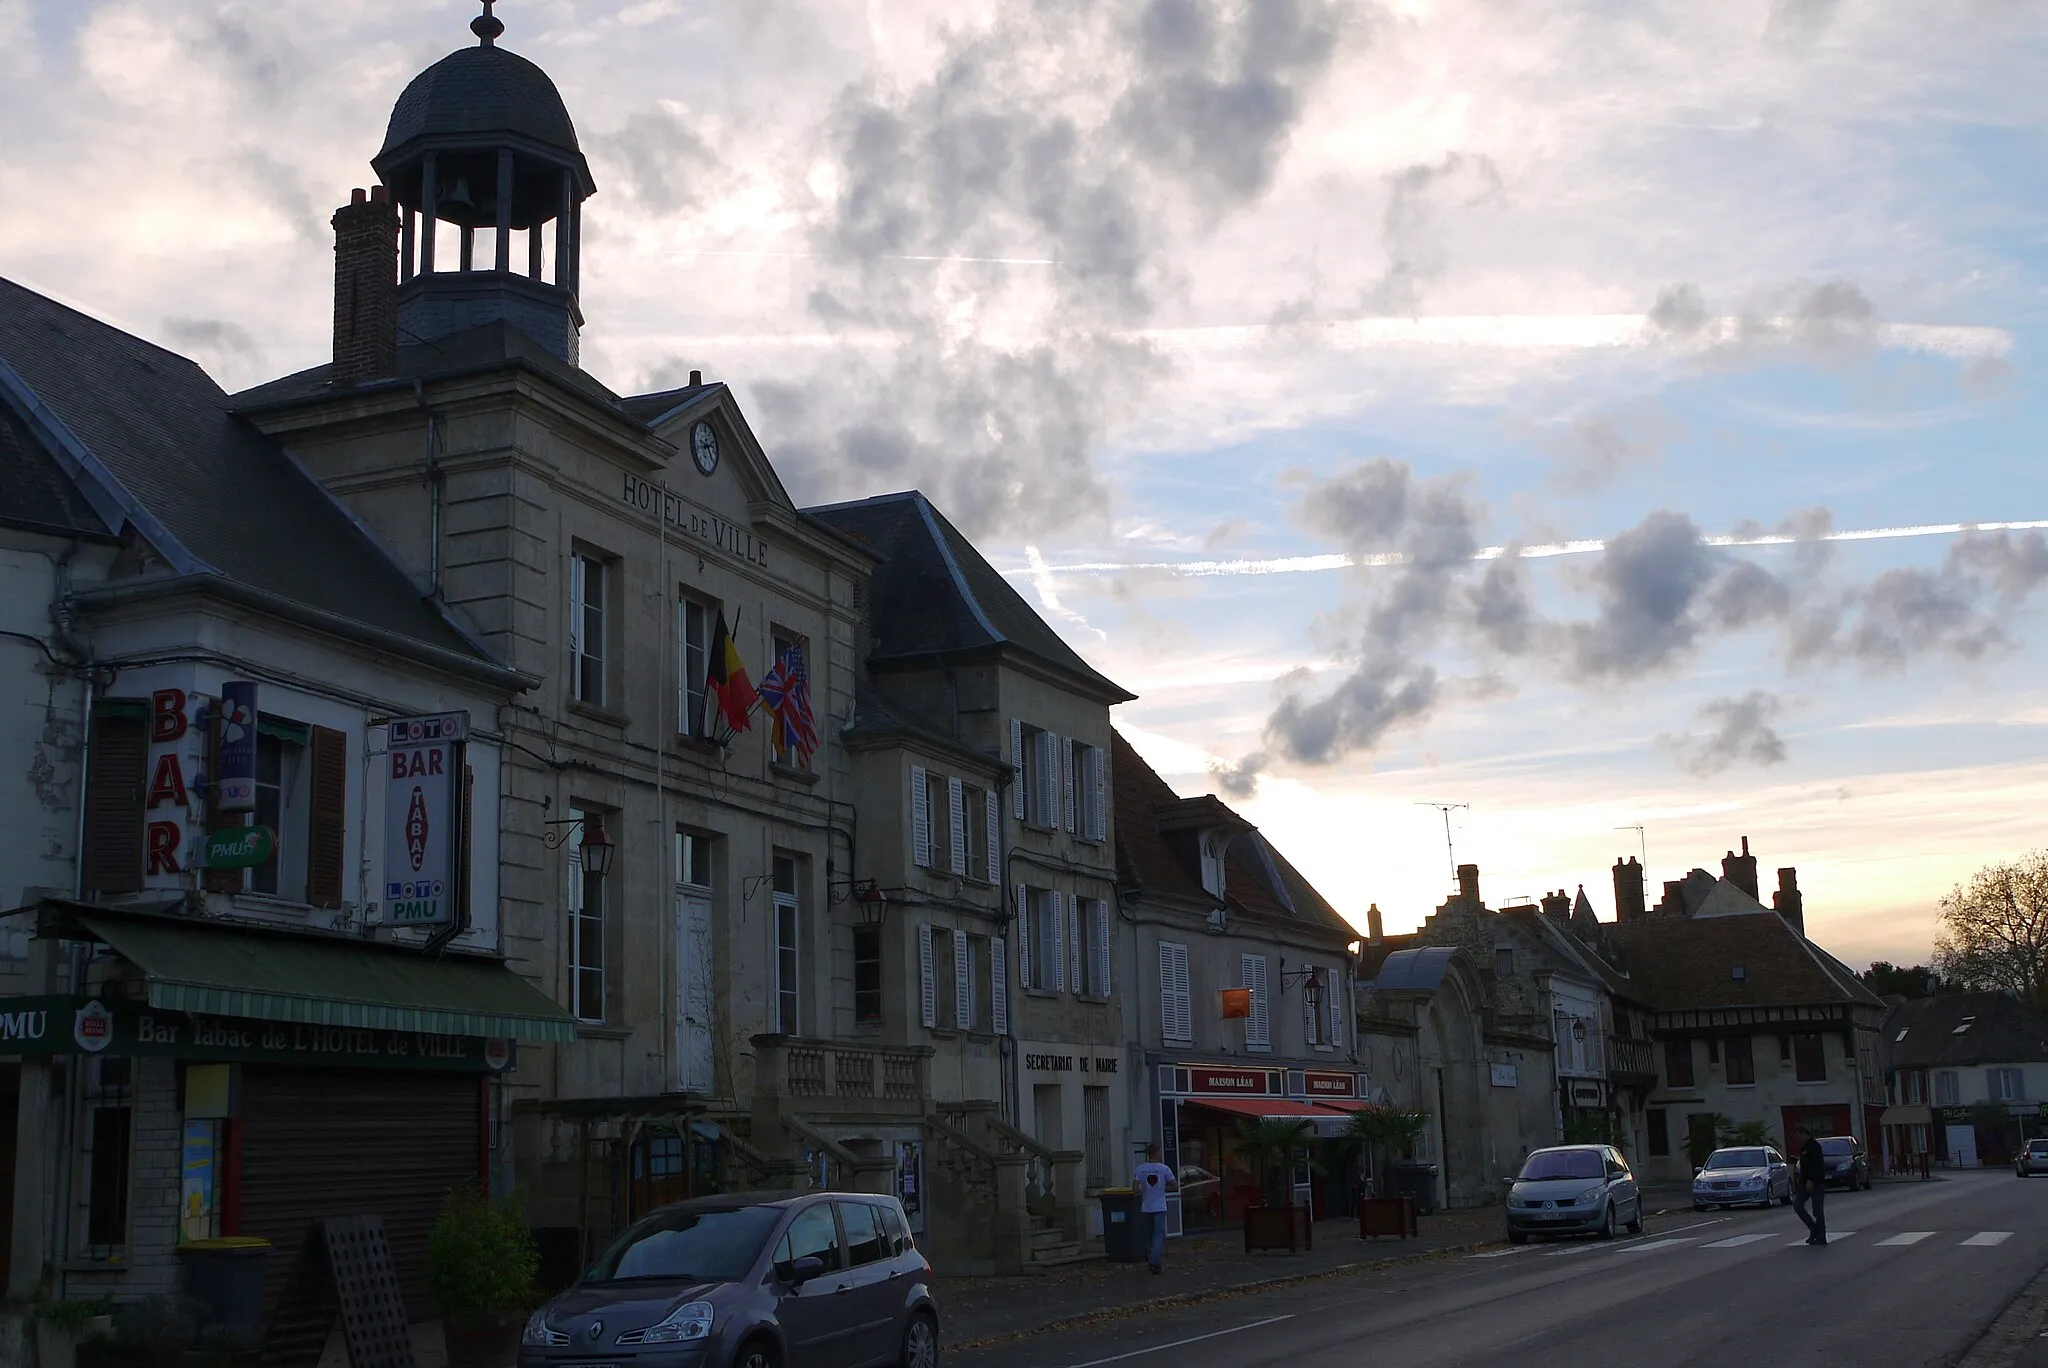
<point>921,1343</point>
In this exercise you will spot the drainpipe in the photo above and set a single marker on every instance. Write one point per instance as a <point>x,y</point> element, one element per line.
<point>435,480</point>
<point>63,619</point>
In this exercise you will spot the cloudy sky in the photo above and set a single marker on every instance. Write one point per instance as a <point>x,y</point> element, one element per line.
<point>1601,415</point>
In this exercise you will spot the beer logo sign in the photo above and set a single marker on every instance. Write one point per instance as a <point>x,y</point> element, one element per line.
<point>93,1027</point>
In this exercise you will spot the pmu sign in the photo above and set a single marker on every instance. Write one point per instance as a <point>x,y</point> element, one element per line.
<point>423,819</point>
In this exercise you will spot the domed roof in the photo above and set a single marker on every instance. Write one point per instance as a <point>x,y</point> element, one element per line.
<point>480,90</point>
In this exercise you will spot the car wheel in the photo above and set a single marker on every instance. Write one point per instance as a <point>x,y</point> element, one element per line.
<point>757,1353</point>
<point>1635,1227</point>
<point>1516,1237</point>
<point>1606,1230</point>
<point>921,1342</point>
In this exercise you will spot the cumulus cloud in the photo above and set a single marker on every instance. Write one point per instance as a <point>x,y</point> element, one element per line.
<point>1738,731</point>
<point>1648,583</point>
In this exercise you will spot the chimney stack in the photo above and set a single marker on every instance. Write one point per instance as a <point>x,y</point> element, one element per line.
<point>1468,884</point>
<point>1374,931</point>
<point>365,288</point>
<point>1740,870</point>
<point>1558,906</point>
<point>1628,890</point>
<point>1788,901</point>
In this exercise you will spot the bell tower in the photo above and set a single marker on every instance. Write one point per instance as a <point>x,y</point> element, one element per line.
<point>482,161</point>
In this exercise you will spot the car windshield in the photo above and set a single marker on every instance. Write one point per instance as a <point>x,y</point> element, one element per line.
<point>1736,1159</point>
<point>687,1246</point>
<point>1563,1164</point>
<point>1840,1149</point>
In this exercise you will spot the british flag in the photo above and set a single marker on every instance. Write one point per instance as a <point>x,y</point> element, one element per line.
<point>785,693</point>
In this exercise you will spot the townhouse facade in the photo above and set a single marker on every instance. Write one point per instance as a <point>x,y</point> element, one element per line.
<point>1966,1078</point>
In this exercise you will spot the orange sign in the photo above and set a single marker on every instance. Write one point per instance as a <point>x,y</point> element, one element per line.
<point>1234,1003</point>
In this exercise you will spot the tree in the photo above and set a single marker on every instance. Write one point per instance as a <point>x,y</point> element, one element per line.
<point>1386,1131</point>
<point>1994,929</point>
<point>1907,981</point>
<point>1272,1144</point>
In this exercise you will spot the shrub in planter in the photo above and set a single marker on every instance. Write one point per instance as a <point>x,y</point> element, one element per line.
<point>481,1265</point>
<point>63,1326</point>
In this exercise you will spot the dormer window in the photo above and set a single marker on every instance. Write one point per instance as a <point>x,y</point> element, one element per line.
<point>1212,864</point>
<point>1964,1026</point>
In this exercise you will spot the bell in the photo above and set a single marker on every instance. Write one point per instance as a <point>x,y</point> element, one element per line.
<point>460,194</point>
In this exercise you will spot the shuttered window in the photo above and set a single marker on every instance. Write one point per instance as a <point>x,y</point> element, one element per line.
<point>1258,1027</point>
<point>963,981</point>
<point>1176,1009</point>
<point>116,775</point>
<point>1098,947</point>
<point>1094,795</point>
<point>1046,791</point>
<point>326,829</point>
<point>1068,782</point>
<point>956,828</point>
<point>1338,1035</point>
<point>927,979</point>
<point>1025,931</point>
<point>1076,979</point>
<point>1018,786</point>
<point>992,853</point>
<point>999,985</point>
<point>920,818</point>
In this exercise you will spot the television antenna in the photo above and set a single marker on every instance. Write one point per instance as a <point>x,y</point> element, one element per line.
<point>1447,809</point>
<point>1642,842</point>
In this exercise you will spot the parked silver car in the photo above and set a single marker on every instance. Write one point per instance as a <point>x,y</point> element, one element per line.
<point>1742,1175</point>
<point>1574,1190</point>
<point>749,1280</point>
<point>2032,1158</point>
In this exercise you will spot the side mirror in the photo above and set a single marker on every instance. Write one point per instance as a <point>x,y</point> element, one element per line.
<point>803,1270</point>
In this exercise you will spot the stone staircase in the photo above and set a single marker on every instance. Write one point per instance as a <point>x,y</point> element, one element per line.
<point>1050,1248</point>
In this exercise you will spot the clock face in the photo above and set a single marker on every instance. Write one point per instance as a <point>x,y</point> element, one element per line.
<point>704,446</point>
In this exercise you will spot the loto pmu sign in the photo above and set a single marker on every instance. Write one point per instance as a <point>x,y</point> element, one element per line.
<point>423,796</point>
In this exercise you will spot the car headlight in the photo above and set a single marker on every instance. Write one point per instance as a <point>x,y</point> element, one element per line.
<point>537,1333</point>
<point>1591,1196</point>
<point>691,1321</point>
<point>1753,1182</point>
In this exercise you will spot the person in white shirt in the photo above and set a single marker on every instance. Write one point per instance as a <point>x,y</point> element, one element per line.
<point>1154,1180</point>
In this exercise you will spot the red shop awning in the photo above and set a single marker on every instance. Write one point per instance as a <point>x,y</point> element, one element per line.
<point>1330,1121</point>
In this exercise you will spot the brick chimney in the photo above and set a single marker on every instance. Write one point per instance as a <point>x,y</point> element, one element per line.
<point>1468,884</point>
<point>1628,890</point>
<point>1740,870</point>
<point>1374,931</point>
<point>1788,901</point>
<point>1558,906</point>
<point>365,289</point>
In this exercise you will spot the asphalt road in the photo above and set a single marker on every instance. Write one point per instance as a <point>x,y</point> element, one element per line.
<point>1912,1275</point>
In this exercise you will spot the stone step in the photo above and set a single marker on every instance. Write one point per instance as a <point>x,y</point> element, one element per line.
<point>1060,1256</point>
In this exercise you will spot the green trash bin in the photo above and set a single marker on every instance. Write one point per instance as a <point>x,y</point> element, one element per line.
<point>1123,1229</point>
<point>225,1275</point>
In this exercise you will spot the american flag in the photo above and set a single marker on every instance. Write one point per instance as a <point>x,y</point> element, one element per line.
<point>786,693</point>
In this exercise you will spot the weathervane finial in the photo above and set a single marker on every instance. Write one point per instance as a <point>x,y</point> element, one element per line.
<point>487,26</point>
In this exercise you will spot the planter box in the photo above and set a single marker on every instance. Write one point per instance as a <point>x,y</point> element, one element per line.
<point>1287,1228</point>
<point>1379,1216</point>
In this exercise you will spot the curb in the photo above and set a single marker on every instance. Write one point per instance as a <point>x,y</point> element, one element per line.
<point>1125,1310</point>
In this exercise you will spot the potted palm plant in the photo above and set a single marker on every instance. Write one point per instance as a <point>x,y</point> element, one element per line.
<point>481,1266</point>
<point>1274,1145</point>
<point>1385,1132</point>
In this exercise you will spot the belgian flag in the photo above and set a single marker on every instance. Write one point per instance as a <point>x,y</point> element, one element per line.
<point>727,682</point>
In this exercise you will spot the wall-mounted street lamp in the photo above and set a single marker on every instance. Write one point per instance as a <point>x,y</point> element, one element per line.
<point>595,850</point>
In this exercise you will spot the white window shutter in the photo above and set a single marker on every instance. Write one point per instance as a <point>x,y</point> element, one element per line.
<point>995,839</point>
<point>577,589</point>
<point>999,985</point>
<point>1017,768</point>
<point>927,984</point>
<point>1338,1035</point>
<point>1183,996</point>
<point>1100,911</point>
<point>1068,782</point>
<point>1024,935</point>
<point>1098,797</point>
<point>1074,975</point>
<point>920,819</point>
<point>963,983</point>
<point>956,827</point>
<point>1175,1009</point>
<point>1046,791</point>
<point>1258,1033</point>
<point>1057,949</point>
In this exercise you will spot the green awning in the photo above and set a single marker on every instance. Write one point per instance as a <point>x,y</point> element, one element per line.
<point>211,969</point>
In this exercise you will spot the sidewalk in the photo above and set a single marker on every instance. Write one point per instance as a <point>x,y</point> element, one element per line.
<point>980,1311</point>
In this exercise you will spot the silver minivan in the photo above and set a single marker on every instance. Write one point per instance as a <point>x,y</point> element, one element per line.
<point>749,1280</point>
<point>1574,1190</point>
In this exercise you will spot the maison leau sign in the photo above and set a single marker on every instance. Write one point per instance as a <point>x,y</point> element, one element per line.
<point>43,1026</point>
<point>692,521</point>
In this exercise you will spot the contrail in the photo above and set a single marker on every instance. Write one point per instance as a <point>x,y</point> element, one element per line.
<point>1301,565</point>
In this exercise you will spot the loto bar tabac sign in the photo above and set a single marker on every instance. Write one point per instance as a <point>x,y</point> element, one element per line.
<point>423,818</point>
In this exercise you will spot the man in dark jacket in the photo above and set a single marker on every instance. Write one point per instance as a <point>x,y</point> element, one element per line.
<point>1810,1184</point>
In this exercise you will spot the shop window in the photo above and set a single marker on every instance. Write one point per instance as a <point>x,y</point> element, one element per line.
<point>1809,1059</point>
<point>1741,1063</point>
<point>867,975</point>
<point>788,954</point>
<point>109,1136</point>
<point>1659,1125</point>
<point>1678,1063</point>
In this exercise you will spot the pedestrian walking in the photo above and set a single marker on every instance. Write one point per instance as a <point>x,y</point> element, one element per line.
<point>1153,1181</point>
<point>1810,1184</point>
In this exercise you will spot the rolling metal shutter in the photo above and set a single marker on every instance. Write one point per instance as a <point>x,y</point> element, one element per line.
<point>318,1143</point>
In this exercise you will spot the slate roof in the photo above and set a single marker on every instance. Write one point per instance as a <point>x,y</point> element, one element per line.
<point>212,494</point>
<point>1257,879</point>
<point>876,717</point>
<point>2004,1031</point>
<point>652,408</point>
<point>1683,964</point>
<point>486,347</point>
<point>483,89</point>
<point>35,493</point>
<point>934,595</point>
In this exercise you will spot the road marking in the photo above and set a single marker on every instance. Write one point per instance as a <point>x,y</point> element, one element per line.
<point>1193,1339</point>
<point>1987,1239</point>
<point>1656,1244</point>
<point>1737,1241</point>
<point>1566,1251</point>
<point>1834,1237</point>
<point>1500,1253</point>
<point>1906,1237</point>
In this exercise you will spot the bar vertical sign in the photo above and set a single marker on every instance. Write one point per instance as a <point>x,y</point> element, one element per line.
<point>422,818</point>
<point>235,777</point>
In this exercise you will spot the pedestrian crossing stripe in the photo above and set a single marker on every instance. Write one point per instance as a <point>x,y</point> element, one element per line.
<point>1834,1237</point>
<point>1988,1239</point>
<point>1737,1241</point>
<point>1906,1237</point>
<point>1983,1239</point>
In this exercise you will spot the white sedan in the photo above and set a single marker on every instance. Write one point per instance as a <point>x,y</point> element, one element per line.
<point>1746,1175</point>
